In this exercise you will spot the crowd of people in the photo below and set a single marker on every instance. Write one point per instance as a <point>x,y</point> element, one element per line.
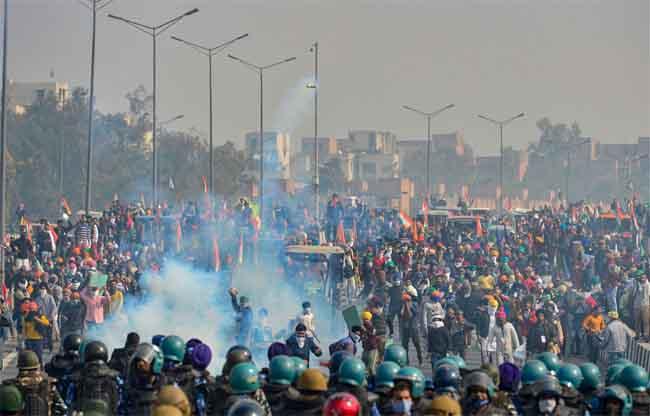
<point>550,299</point>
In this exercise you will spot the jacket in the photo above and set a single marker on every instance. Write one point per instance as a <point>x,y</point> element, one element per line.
<point>439,341</point>
<point>303,352</point>
<point>506,338</point>
<point>539,337</point>
<point>615,338</point>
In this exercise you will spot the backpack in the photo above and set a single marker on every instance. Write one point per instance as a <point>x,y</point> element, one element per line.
<point>98,385</point>
<point>36,395</point>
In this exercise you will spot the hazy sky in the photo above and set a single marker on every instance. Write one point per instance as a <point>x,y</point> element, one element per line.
<point>583,60</point>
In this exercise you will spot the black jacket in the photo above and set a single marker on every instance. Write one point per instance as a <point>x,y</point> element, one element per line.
<point>439,340</point>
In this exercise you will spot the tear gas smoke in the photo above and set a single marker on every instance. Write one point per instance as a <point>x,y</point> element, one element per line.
<point>294,107</point>
<point>195,304</point>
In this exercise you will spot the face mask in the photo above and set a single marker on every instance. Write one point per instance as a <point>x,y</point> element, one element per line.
<point>43,292</point>
<point>307,311</point>
<point>477,404</point>
<point>22,285</point>
<point>402,406</point>
<point>301,341</point>
<point>355,337</point>
<point>546,405</point>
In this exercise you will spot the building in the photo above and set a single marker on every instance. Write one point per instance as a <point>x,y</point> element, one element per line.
<point>302,164</point>
<point>376,166</point>
<point>24,94</point>
<point>371,141</point>
<point>277,153</point>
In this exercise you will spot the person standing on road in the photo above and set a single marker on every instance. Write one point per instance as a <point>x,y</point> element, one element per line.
<point>641,304</point>
<point>615,338</point>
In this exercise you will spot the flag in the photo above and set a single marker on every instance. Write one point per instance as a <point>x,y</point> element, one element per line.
<point>142,201</point>
<point>425,212</point>
<point>216,255</point>
<point>206,195</point>
<point>635,223</point>
<point>405,219</point>
<point>340,233</point>
<point>179,237</point>
<point>171,184</point>
<point>65,207</point>
<point>28,226</point>
<point>414,229</point>
<point>479,227</point>
<point>240,251</point>
<point>353,232</point>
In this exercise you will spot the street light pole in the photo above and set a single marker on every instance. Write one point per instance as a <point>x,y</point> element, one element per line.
<point>3,142</point>
<point>154,32</point>
<point>501,124</point>
<point>570,147</point>
<point>428,116</point>
<point>210,53</point>
<point>314,49</point>
<point>260,71</point>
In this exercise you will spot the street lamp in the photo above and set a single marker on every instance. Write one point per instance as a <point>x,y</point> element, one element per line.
<point>570,147</point>
<point>154,32</point>
<point>428,116</point>
<point>3,142</point>
<point>169,121</point>
<point>95,6</point>
<point>260,70</point>
<point>501,124</point>
<point>314,85</point>
<point>210,52</point>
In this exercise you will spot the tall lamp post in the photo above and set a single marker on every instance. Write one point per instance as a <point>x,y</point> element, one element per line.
<point>315,86</point>
<point>3,141</point>
<point>154,32</point>
<point>95,6</point>
<point>210,53</point>
<point>570,148</point>
<point>428,116</point>
<point>260,71</point>
<point>501,125</point>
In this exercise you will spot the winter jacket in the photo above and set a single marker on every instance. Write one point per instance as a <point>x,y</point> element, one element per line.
<point>506,338</point>
<point>439,341</point>
<point>615,337</point>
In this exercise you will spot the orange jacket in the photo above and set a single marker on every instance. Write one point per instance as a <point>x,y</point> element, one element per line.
<point>593,324</point>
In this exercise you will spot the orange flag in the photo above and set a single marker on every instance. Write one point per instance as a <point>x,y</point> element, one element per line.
<point>340,233</point>
<point>479,227</point>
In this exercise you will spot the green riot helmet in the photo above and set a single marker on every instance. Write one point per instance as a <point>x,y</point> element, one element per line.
<point>533,371</point>
<point>385,374</point>
<point>282,370</point>
<point>551,361</point>
<point>590,377</point>
<point>244,379</point>
<point>82,348</point>
<point>72,343</point>
<point>634,378</point>
<point>173,348</point>
<point>460,362</point>
<point>415,377</point>
<point>446,361</point>
<point>300,366</point>
<point>480,379</point>
<point>352,372</point>
<point>236,355</point>
<point>395,353</point>
<point>11,399</point>
<point>549,386</point>
<point>623,361</point>
<point>95,351</point>
<point>28,360</point>
<point>613,372</point>
<point>619,393</point>
<point>447,376</point>
<point>150,354</point>
<point>570,376</point>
